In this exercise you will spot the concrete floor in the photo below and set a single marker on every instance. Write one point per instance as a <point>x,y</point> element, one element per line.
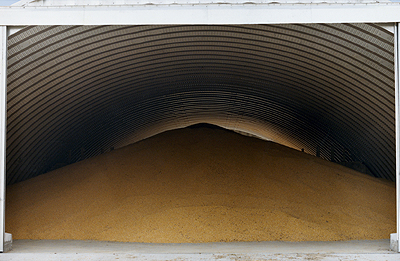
<point>97,250</point>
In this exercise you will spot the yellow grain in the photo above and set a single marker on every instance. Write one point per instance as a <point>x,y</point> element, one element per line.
<point>202,185</point>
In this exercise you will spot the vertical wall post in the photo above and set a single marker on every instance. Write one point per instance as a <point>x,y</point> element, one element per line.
<point>3,120</point>
<point>395,246</point>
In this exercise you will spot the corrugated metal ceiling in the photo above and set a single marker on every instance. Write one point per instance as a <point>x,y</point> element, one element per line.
<point>77,91</point>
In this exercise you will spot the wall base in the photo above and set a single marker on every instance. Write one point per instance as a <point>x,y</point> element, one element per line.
<point>7,242</point>
<point>394,244</point>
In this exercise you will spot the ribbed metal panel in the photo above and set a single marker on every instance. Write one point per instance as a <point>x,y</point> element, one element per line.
<point>77,91</point>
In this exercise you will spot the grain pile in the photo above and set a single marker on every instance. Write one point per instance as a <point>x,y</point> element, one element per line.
<point>202,185</point>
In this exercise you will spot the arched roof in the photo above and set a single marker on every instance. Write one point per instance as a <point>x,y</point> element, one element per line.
<point>77,91</point>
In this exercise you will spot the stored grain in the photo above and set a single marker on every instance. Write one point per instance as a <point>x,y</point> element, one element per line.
<point>202,185</point>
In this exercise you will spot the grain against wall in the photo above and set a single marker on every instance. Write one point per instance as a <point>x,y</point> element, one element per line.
<point>202,185</point>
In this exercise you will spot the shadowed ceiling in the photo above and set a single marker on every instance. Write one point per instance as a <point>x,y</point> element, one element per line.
<point>77,91</point>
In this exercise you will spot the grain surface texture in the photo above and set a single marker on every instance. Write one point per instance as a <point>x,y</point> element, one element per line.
<point>202,185</point>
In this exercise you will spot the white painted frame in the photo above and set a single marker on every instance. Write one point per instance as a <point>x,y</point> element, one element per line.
<point>200,14</point>
<point>397,120</point>
<point>3,130</point>
<point>12,16</point>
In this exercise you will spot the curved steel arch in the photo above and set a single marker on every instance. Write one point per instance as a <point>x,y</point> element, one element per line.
<point>76,91</point>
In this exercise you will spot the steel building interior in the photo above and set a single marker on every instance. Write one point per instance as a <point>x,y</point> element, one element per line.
<point>77,91</point>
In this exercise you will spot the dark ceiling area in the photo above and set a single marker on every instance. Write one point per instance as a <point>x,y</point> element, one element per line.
<point>78,91</point>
